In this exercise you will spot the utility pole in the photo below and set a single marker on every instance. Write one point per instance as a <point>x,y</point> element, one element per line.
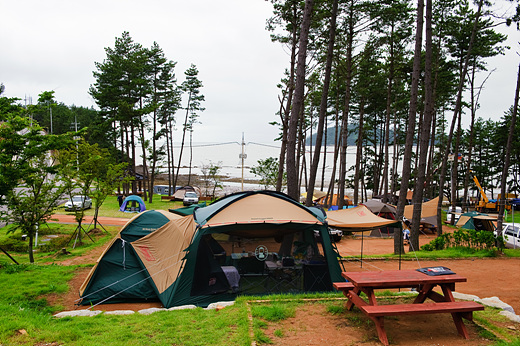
<point>50,110</point>
<point>76,138</point>
<point>243,156</point>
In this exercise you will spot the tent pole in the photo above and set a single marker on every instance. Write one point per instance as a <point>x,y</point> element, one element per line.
<point>400,245</point>
<point>362,233</point>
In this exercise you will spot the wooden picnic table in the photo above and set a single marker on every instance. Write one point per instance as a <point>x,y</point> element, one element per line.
<point>367,282</point>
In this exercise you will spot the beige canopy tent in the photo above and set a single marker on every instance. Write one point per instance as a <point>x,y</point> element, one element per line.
<point>356,219</point>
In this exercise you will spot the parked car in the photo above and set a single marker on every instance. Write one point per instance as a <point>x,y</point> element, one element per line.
<point>335,234</point>
<point>511,234</point>
<point>190,198</point>
<point>78,203</point>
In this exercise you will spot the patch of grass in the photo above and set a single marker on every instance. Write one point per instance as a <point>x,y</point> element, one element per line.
<point>49,248</point>
<point>110,207</point>
<point>515,342</point>
<point>261,338</point>
<point>493,323</point>
<point>274,312</point>
<point>512,252</point>
<point>442,254</point>
<point>279,333</point>
<point>336,308</point>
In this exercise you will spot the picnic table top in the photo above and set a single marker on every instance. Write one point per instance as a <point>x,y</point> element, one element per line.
<point>398,278</point>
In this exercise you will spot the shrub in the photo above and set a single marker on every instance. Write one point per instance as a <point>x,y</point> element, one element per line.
<point>482,240</point>
<point>15,243</point>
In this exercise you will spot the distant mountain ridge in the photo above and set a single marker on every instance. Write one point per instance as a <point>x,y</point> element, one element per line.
<point>331,137</point>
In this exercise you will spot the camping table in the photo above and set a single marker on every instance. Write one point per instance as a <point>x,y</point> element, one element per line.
<point>280,278</point>
<point>367,282</point>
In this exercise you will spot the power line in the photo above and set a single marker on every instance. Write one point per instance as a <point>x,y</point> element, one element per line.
<point>209,145</point>
<point>264,145</point>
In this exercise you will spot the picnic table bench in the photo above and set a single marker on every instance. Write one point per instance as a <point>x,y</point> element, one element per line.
<point>367,282</point>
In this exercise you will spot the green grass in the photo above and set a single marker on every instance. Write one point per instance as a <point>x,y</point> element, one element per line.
<point>456,252</point>
<point>49,249</point>
<point>23,299</point>
<point>25,289</point>
<point>110,208</point>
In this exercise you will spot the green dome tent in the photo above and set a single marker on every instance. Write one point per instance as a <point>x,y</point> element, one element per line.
<point>246,243</point>
<point>477,221</point>
<point>119,266</point>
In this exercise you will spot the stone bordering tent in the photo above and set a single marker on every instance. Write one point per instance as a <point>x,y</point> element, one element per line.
<point>507,310</point>
<point>90,313</point>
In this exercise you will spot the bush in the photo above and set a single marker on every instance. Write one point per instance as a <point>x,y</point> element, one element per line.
<point>54,244</point>
<point>15,243</point>
<point>463,238</point>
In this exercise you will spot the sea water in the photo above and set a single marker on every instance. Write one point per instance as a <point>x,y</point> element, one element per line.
<point>228,156</point>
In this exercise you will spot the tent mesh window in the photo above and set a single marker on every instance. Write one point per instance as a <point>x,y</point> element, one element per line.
<point>262,265</point>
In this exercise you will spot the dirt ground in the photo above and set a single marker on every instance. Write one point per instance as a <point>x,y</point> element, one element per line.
<point>312,325</point>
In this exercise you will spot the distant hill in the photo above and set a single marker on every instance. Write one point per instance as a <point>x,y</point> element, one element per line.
<point>331,136</point>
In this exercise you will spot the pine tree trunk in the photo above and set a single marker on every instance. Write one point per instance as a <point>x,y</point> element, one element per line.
<point>286,113</point>
<point>323,105</point>
<point>508,154</point>
<point>359,151</point>
<point>337,144</point>
<point>344,122</point>
<point>425,133</point>
<point>456,112</point>
<point>183,140</point>
<point>406,171</point>
<point>324,156</point>
<point>145,165</point>
<point>293,189</point>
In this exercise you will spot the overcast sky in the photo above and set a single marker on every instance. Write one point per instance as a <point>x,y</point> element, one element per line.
<point>52,45</point>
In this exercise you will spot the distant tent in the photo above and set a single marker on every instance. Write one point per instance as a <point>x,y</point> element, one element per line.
<point>381,209</point>
<point>384,210</point>
<point>335,200</point>
<point>133,204</point>
<point>316,195</point>
<point>253,242</point>
<point>428,213</point>
<point>179,193</point>
<point>477,221</point>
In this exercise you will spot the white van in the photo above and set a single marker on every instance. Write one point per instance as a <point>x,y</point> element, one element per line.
<point>511,234</point>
